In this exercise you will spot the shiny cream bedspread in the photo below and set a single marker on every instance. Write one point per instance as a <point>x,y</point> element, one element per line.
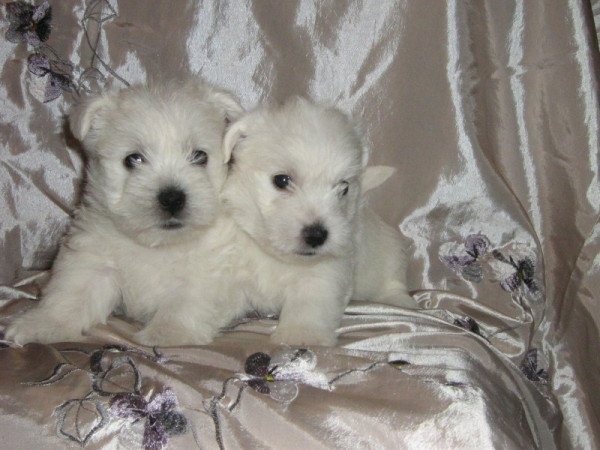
<point>489,112</point>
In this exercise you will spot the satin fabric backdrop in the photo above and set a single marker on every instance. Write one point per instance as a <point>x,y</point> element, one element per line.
<point>489,112</point>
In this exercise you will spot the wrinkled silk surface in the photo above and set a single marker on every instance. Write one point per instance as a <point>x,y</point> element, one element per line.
<point>489,112</point>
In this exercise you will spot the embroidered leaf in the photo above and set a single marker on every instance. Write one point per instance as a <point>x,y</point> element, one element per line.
<point>92,80</point>
<point>60,371</point>
<point>53,90</point>
<point>80,419</point>
<point>121,376</point>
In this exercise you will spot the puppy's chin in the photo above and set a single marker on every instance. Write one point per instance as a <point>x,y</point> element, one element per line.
<point>302,254</point>
<point>168,232</point>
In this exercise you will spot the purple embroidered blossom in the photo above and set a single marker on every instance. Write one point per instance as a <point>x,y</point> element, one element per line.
<point>28,23</point>
<point>278,376</point>
<point>257,365</point>
<point>523,275</point>
<point>529,366</point>
<point>467,264</point>
<point>468,324</point>
<point>57,80</point>
<point>162,421</point>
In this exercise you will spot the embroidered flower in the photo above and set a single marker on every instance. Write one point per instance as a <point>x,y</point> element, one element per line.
<point>56,74</point>
<point>529,366</point>
<point>28,23</point>
<point>278,376</point>
<point>523,273</point>
<point>398,363</point>
<point>468,324</point>
<point>2,341</point>
<point>162,421</point>
<point>467,262</point>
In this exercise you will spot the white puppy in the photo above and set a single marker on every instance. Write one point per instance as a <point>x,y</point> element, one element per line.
<point>155,169</point>
<point>381,262</point>
<point>294,192</point>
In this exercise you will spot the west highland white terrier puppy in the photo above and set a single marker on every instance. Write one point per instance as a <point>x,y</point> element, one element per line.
<point>155,170</point>
<point>294,191</point>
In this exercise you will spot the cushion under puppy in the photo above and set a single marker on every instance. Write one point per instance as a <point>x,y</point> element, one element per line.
<point>154,173</point>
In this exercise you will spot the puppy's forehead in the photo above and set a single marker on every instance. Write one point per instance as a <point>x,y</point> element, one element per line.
<point>313,143</point>
<point>167,121</point>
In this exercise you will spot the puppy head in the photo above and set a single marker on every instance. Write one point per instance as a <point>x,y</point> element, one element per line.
<point>155,162</point>
<point>295,179</point>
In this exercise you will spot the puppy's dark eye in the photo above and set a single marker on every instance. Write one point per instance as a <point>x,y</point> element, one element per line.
<point>344,186</point>
<point>199,158</point>
<point>133,160</point>
<point>281,181</point>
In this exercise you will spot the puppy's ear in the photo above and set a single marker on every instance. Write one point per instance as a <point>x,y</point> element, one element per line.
<point>229,104</point>
<point>375,176</point>
<point>84,114</point>
<point>236,132</point>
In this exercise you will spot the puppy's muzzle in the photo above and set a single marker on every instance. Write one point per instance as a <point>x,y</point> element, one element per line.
<point>171,200</point>
<point>314,235</point>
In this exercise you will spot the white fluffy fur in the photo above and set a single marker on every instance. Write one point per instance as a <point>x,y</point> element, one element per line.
<point>380,273</point>
<point>118,248</point>
<point>320,150</point>
<point>188,283</point>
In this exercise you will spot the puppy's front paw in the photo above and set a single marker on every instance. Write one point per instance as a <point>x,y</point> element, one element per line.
<point>38,327</point>
<point>170,336</point>
<point>297,335</point>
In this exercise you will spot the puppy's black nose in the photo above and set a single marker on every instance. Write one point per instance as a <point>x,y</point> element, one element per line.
<point>171,200</point>
<point>315,235</point>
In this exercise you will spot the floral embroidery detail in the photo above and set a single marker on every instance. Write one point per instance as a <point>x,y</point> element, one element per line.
<point>278,376</point>
<point>3,342</point>
<point>514,265</point>
<point>468,324</point>
<point>79,419</point>
<point>57,80</point>
<point>162,420</point>
<point>28,23</point>
<point>529,366</point>
<point>92,79</point>
<point>467,263</point>
<point>398,363</point>
<point>52,75</point>
<point>524,273</point>
<point>116,381</point>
